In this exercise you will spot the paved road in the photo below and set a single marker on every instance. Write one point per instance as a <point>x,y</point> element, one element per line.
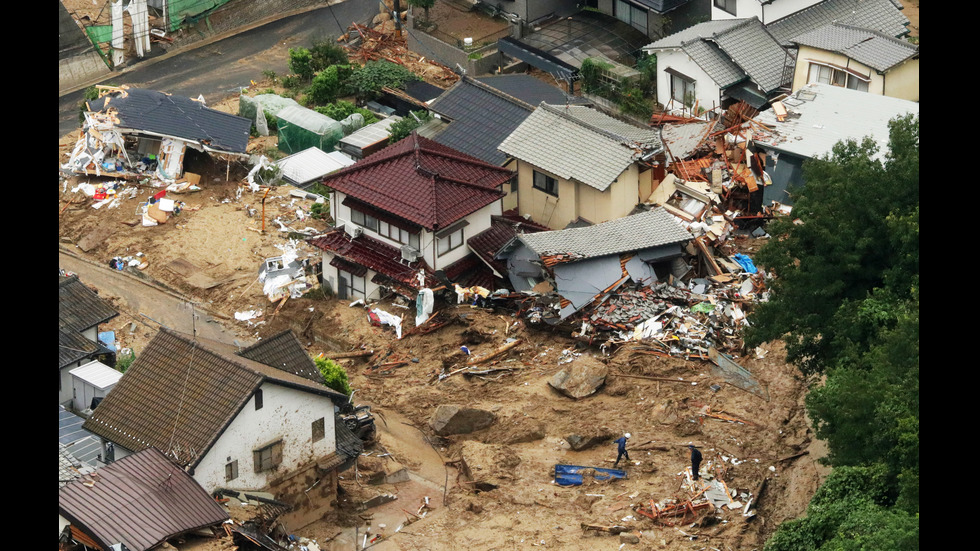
<point>154,305</point>
<point>221,66</point>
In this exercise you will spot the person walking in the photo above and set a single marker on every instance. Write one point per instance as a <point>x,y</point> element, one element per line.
<point>622,449</point>
<point>695,461</point>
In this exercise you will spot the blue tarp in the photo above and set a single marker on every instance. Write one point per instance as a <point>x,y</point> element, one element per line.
<point>745,262</point>
<point>108,338</point>
<point>570,475</point>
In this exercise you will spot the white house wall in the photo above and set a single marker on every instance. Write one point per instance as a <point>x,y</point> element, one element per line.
<point>767,13</point>
<point>706,90</point>
<point>287,414</point>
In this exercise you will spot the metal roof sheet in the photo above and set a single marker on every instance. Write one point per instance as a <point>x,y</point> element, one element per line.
<point>308,165</point>
<point>371,134</point>
<point>827,115</point>
<point>97,374</point>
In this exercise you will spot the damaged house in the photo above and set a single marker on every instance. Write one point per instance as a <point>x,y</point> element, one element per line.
<point>140,502</point>
<point>576,165</point>
<point>134,133</point>
<point>404,214</point>
<point>583,266</point>
<point>232,421</point>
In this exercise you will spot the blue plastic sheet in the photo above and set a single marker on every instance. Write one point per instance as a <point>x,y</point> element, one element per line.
<point>571,475</point>
<point>108,338</point>
<point>745,262</point>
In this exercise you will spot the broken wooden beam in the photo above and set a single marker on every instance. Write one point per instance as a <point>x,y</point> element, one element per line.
<point>496,353</point>
<point>356,354</point>
<point>649,378</point>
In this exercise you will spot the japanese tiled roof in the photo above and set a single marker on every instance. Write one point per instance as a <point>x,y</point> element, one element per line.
<point>177,116</point>
<point>502,230</point>
<point>376,255</point>
<point>72,347</point>
<point>284,351</point>
<point>181,393</point>
<point>141,501</point>
<point>874,49</point>
<point>876,15</point>
<point>469,271</point>
<point>79,308</point>
<point>423,182</point>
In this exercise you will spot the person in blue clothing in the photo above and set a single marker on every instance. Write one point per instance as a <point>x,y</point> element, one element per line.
<point>622,449</point>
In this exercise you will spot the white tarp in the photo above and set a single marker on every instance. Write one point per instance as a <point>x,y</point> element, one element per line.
<point>389,319</point>
<point>423,306</point>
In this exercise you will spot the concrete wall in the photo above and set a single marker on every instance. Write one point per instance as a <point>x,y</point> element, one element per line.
<point>79,70</point>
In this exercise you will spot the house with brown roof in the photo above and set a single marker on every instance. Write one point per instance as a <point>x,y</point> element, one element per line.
<point>232,422</point>
<point>140,501</point>
<point>405,214</point>
<point>80,312</point>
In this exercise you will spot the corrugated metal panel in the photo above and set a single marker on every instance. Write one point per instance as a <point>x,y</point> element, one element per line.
<point>97,374</point>
<point>141,500</point>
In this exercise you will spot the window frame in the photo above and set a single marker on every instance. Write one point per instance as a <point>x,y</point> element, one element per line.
<point>267,457</point>
<point>259,402</point>
<point>723,6</point>
<point>689,87</point>
<point>449,239</point>
<point>318,428</point>
<point>835,75</point>
<point>231,466</point>
<point>365,220</point>
<point>549,183</point>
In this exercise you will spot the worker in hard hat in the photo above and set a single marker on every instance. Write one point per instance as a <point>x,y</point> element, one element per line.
<point>622,448</point>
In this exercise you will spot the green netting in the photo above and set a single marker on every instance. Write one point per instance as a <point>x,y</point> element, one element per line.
<point>271,105</point>
<point>190,11</point>
<point>301,128</point>
<point>99,33</point>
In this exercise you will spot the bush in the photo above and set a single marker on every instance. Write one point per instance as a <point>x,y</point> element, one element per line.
<point>300,61</point>
<point>340,110</point>
<point>366,83</point>
<point>291,82</point>
<point>404,127</point>
<point>325,53</point>
<point>334,375</point>
<point>329,84</point>
<point>124,360</point>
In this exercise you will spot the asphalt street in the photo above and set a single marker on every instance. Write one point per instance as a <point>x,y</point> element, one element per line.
<point>221,67</point>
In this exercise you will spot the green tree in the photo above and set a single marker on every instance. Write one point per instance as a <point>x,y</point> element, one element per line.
<point>326,52</point>
<point>367,82</point>
<point>329,84</point>
<point>300,63</point>
<point>334,375</point>
<point>424,4</point>
<point>401,129</point>
<point>842,250</point>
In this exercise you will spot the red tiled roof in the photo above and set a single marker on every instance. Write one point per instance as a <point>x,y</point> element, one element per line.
<point>374,254</point>
<point>469,271</point>
<point>423,182</point>
<point>502,229</point>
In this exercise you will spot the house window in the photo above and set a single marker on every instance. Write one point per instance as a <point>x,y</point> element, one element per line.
<point>836,77</point>
<point>318,430</point>
<point>682,89</point>
<point>268,457</point>
<point>231,470</point>
<point>364,220</point>
<point>545,183</point>
<point>258,399</point>
<point>350,285</point>
<point>449,242</point>
<point>727,6</point>
<point>397,234</point>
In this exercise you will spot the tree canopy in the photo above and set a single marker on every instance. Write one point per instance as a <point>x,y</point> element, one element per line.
<point>845,298</point>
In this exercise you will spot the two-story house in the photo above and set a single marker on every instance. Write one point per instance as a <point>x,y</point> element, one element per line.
<point>230,421</point>
<point>405,213</point>
<point>577,164</point>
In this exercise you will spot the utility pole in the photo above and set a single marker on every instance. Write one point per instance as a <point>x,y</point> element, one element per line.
<point>398,20</point>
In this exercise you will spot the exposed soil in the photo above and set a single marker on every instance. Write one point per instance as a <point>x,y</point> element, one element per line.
<point>518,452</point>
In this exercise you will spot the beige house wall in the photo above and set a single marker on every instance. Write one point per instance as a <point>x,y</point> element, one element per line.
<point>577,200</point>
<point>900,82</point>
<point>510,200</point>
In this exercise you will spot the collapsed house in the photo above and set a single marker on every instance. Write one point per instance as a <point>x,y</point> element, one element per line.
<point>133,133</point>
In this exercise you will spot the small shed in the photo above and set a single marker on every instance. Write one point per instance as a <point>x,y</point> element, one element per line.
<point>308,166</point>
<point>301,128</point>
<point>92,381</point>
<point>367,140</point>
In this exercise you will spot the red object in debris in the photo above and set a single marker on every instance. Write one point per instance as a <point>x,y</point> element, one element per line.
<point>100,196</point>
<point>160,195</point>
<point>375,320</point>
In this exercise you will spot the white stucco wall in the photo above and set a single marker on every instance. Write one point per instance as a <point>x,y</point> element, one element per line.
<point>767,13</point>
<point>286,414</point>
<point>706,90</point>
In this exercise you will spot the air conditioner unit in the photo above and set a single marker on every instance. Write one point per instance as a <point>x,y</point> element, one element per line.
<point>410,254</point>
<point>353,231</point>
